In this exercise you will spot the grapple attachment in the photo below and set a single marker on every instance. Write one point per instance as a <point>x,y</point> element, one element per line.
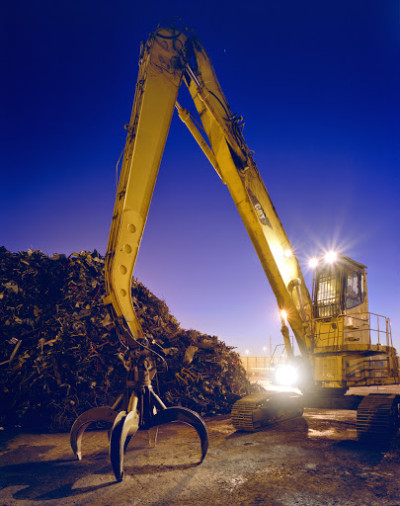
<point>100,414</point>
<point>143,410</point>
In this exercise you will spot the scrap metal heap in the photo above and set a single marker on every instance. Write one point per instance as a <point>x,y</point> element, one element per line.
<point>60,354</point>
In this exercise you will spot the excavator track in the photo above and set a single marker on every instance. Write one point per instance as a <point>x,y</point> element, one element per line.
<point>378,417</point>
<point>258,410</point>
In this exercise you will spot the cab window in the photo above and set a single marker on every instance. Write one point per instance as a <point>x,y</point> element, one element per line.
<point>328,294</point>
<point>353,289</point>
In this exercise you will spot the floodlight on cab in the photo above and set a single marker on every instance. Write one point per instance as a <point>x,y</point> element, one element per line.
<point>331,257</point>
<point>313,262</point>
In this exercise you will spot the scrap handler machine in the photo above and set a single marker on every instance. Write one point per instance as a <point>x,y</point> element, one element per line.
<point>333,329</point>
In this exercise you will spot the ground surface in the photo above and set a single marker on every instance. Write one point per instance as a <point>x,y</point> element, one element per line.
<point>313,460</point>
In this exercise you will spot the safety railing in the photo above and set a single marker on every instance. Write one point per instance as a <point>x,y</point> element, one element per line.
<point>368,328</point>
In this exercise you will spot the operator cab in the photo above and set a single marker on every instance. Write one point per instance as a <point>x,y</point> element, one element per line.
<point>339,285</point>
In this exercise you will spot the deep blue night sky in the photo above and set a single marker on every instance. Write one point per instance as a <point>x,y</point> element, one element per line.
<point>318,85</point>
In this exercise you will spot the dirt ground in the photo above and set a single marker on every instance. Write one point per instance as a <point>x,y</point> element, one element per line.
<point>313,460</point>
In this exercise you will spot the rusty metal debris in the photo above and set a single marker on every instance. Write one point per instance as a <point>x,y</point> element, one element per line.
<point>69,358</point>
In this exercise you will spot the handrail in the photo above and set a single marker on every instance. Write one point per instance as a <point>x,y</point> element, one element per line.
<point>378,327</point>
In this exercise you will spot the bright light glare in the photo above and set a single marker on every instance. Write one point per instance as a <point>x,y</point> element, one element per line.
<point>283,314</point>
<point>313,262</point>
<point>331,257</point>
<point>286,375</point>
<point>287,253</point>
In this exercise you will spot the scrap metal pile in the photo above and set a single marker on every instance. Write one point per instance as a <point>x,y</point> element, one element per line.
<point>60,353</point>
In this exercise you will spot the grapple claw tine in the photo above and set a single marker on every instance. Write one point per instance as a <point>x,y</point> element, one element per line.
<point>99,414</point>
<point>125,426</point>
<point>185,415</point>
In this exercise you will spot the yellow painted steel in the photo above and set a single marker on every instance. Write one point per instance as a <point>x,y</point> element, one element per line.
<point>239,172</point>
<point>155,96</point>
<point>163,63</point>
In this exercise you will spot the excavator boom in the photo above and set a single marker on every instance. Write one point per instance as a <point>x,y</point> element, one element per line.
<point>168,59</point>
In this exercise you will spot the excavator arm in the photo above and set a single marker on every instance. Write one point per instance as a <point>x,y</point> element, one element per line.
<point>157,88</point>
<point>168,59</point>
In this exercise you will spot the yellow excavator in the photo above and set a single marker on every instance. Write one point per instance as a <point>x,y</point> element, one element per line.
<point>333,328</point>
